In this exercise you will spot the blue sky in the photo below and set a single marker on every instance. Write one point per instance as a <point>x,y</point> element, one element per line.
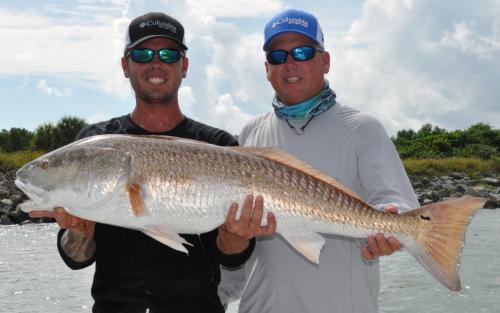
<point>407,62</point>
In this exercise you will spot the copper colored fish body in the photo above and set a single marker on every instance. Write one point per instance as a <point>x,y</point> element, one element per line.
<point>164,186</point>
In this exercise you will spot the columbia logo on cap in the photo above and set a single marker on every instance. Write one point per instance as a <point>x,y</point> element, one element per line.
<point>160,24</point>
<point>291,20</point>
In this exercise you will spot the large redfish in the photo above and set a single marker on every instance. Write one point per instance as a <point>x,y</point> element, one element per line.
<point>164,186</point>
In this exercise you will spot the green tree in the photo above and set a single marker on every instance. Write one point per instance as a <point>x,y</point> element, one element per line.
<point>45,137</point>
<point>49,137</point>
<point>4,139</point>
<point>67,128</point>
<point>15,139</point>
<point>20,139</point>
<point>478,141</point>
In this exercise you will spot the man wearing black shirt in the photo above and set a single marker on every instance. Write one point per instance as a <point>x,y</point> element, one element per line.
<point>133,272</point>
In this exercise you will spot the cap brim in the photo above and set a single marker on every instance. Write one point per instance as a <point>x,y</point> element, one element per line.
<point>137,42</point>
<point>266,45</point>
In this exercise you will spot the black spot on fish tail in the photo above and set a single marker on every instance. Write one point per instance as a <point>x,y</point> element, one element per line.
<point>427,218</point>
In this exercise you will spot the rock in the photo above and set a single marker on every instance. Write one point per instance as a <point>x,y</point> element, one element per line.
<point>4,220</point>
<point>5,209</point>
<point>457,175</point>
<point>4,193</point>
<point>18,216</point>
<point>17,198</point>
<point>493,202</point>
<point>461,188</point>
<point>427,201</point>
<point>6,202</point>
<point>491,181</point>
<point>425,181</point>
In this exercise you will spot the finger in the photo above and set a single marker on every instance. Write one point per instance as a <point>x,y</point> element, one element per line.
<point>392,209</point>
<point>88,228</point>
<point>394,244</point>
<point>256,221</point>
<point>41,213</point>
<point>367,254</point>
<point>231,223</point>
<point>270,228</point>
<point>383,245</point>
<point>373,246</point>
<point>246,213</point>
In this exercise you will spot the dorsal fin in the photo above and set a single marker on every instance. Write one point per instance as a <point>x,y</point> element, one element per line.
<point>280,156</point>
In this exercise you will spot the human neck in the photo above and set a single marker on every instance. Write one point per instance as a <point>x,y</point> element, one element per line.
<point>157,118</point>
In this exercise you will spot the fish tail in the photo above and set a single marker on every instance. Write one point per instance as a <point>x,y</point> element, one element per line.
<point>441,235</point>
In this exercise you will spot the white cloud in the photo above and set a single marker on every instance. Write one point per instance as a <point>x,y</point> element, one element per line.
<point>224,8</point>
<point>413,62</point>
<point>464,38</point>
<point>63,47</point>
<point>52,91</point>
<point>227,115</point>
<point>99,116</point>
<point>187,101</point>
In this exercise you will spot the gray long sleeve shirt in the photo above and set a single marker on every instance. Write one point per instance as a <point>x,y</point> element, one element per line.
<point>353,148</point>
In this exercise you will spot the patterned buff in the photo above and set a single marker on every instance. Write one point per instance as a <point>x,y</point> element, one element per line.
<point>306,110</point>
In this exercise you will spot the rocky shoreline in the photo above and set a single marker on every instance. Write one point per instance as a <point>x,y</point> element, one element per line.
<point>428,189</point>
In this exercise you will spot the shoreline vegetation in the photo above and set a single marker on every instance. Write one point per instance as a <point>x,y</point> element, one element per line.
<point>440,163</point>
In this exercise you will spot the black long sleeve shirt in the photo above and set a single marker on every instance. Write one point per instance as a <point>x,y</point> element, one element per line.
<point>134,272</point>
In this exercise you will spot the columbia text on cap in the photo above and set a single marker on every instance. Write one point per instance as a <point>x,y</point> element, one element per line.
<point>154,24</point>
<point>295,21</point>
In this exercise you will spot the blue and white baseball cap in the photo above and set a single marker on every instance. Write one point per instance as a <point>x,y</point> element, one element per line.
<point>295,21</point>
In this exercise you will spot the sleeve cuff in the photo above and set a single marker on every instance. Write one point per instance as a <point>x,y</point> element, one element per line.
<point>235,260</point>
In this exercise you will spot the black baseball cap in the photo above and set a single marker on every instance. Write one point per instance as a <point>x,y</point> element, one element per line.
<point>154,24</point>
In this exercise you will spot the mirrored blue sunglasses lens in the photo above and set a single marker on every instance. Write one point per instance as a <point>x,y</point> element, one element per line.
<point>303,53</point>
<point>142,55</point>
<point>146,55</point>
<point>277,56</point>
<point>169,55</point>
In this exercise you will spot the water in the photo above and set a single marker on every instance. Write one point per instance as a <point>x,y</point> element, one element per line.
<point>34,279</point>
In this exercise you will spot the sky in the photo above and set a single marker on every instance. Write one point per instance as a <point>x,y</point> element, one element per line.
<point>406,62</point>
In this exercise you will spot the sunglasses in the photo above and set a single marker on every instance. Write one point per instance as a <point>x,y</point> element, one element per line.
<point>302,53</point>
<point>166,55</point>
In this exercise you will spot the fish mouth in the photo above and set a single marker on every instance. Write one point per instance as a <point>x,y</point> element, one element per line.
<point>33,192</point>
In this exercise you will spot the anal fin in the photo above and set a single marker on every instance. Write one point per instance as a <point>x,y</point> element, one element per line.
<point>306,242</point>
<point>167,237</point>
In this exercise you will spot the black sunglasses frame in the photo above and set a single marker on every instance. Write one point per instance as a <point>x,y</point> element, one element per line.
<point>294,52</point>
<point>180,54</point>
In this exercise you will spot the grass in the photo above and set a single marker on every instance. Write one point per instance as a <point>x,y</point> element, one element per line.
<point>17,159</point>
<point>438,167</point>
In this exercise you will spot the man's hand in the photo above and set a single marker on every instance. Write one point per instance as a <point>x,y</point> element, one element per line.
<point>378,245</point>
<point>68,221</point>
<point>234,235</point>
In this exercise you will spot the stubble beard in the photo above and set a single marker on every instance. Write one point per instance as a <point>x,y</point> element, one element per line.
<point>152,97</point>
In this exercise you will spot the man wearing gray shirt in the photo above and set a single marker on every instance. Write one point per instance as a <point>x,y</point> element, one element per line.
<point>350,146</point>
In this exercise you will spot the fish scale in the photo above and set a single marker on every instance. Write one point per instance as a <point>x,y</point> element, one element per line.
<point>164,186</point>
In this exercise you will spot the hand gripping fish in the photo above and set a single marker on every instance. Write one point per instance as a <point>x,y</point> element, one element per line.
<point>165,186</point>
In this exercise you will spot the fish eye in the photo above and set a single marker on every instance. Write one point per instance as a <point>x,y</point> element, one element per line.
<point>44,164</point>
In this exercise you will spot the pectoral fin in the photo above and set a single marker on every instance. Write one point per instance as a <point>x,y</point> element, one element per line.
<point>168,238</point>
<point>136,199</point>
<point>306,242</point>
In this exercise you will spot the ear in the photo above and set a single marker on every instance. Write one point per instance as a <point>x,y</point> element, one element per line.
<point>268,71</point>
<point>185,65</point>
<point>125,67</point>
<point>325,60</point>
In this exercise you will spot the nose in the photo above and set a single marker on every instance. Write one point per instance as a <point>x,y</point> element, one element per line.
<point>156,60</point>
